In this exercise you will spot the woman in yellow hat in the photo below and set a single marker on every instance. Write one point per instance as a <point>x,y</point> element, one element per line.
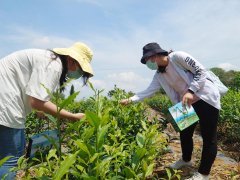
<point>22,75</point>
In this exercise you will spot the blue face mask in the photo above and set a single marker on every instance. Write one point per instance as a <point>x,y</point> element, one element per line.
<point>152,65</point>
<point>75,74</point>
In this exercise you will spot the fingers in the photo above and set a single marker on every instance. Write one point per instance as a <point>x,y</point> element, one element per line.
<point>186,102</point>
<point>82,115</point>
<point>79,116</point>
<point>187,99</point>
<point>124,101</point>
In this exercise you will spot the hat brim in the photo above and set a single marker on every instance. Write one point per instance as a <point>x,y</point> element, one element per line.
<point>85,65</point>
<point>151,53</point>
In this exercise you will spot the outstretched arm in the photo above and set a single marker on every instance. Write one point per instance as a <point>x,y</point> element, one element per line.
<point>51,108</point>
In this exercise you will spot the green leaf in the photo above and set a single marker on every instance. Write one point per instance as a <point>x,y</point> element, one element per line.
<point>88,133</point>
<point>87,177</point>
<point>149,170</point>
<point>81,168</point>
<point>104,165</point>
<point>2,161</point>
<point>52,119</point>
<point>138,155</point>
<point>129,173</point>
<point>105,117</point>
<point>140,139</point>
<point>52,153</point>
<point>168,173</point>
<point>93,119</point>
<point>91,86</point>
<point>75,126</point>
<point>179,176</point>
<point>43,178</point>
<point>68,100</point>
<point>82,146</point>
<point>82,162</point>
<point>65,165</point>
<point>116,178</point>
<point>91,147</point>
<point>144,125</point>
<point>94,157</point>
<point>22,162</point>
<point>101,135</point>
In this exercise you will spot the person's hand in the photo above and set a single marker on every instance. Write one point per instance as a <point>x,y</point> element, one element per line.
<point>125,101</point>
<point>78,116</point>
<point>187,99</point>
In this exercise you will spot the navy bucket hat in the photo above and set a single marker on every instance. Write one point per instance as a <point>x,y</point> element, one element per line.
<point>151,49</point>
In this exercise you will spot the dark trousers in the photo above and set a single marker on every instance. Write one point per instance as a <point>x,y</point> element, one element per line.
<point>208,116</point>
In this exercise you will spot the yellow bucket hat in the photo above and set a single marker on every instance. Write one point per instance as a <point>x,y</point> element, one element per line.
<point>81,53</point>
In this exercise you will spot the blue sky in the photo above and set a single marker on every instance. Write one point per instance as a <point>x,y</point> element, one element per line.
<point>116,31</point>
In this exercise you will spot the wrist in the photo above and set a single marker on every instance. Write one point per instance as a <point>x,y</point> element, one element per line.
<point>190,91</point>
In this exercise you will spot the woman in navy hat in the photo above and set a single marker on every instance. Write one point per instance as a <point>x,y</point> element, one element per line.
<point>184,79</point>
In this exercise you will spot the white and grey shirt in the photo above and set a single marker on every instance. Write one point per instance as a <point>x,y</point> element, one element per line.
<point>187,73</point>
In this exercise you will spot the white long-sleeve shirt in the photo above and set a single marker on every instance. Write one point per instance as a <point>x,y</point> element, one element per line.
<point>192,73</point>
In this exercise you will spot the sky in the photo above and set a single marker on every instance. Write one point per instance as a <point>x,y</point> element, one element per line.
<point>116,31</point>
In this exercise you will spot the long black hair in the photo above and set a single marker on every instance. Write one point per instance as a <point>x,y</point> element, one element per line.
<point>64,77</point>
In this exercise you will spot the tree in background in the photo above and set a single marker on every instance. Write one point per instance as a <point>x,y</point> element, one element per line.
<point>236,81</point>
<point>116,89</point>
<point>230,78</point>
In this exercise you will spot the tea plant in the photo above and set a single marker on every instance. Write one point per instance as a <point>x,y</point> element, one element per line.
<point>229,126</point>
<point>172,174</point>
<point>111,142</point>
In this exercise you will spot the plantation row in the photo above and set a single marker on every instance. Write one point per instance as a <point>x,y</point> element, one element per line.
<point>111,142</point>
